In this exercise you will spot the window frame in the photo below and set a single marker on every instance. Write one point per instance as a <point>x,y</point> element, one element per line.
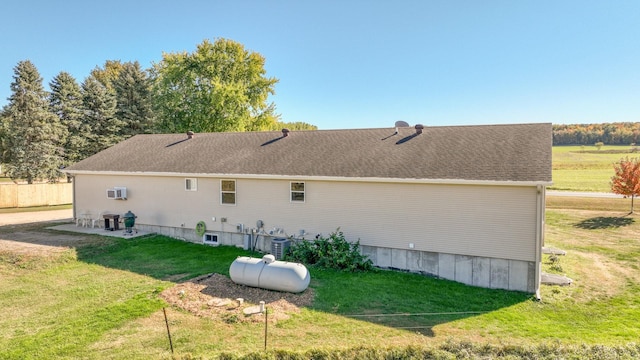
<point>292,192</point>
<point>234,192</point>
<point>194,184</point>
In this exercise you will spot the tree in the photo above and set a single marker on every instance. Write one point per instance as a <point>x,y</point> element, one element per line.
<point>33,135</point>
<point>293,126</point>
<point>65,101</point>
<point>108,74</point>
<point>99,116</point>
<point>133,96</point>
<point>219,87</point>
<point>626,180</point>
<point>3,137</point>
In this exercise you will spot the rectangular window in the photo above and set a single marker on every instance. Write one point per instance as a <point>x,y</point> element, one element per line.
<point>228,192</point>
<point>297,191</point>
<point>210,239</point>
<point>190,184</point>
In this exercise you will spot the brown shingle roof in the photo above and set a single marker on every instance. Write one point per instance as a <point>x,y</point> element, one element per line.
<point>520,152</point>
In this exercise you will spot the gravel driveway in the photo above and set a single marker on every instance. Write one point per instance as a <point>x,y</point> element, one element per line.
<point>35,216</point>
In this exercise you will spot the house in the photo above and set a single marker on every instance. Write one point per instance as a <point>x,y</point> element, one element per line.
<point>464,203</point>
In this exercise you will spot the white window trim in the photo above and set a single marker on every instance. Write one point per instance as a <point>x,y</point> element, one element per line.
<point>304,192</point>
<point>213,243</point>
<point>235,192</point>
<point>194,184</point>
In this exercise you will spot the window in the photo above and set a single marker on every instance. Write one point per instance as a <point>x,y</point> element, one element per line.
<point>297,191</point>
<point>228,192</point>
<point>190,184</point>
<point>210,239</point>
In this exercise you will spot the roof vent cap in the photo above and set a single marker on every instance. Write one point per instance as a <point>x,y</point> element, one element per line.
<point>285,132</point>
<point>419,128</point>
<point>190,134</point>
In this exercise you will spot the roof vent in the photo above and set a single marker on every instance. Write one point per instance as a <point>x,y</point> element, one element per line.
<point>190,134</point>
<point>419,128</point>
<point>285,132</point>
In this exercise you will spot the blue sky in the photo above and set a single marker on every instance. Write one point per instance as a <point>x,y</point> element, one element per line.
<point>363,64</point>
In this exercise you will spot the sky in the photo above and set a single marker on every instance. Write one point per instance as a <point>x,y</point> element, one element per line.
<point>366,64</point>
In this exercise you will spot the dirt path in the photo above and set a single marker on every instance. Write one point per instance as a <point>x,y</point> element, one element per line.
<point>27,236</point>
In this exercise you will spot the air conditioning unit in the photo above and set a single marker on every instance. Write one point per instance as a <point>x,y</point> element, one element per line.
<point>210,239</point>
<point>117,193</point>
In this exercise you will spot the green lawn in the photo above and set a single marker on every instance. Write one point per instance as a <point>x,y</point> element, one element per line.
<point>100,300</point>
<point>577,168</point>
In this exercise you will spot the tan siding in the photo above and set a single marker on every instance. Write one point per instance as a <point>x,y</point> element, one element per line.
<point>469,220</point>
<point>489,221</point>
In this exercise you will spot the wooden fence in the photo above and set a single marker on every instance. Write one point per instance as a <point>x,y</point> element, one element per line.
<point>26,195</point>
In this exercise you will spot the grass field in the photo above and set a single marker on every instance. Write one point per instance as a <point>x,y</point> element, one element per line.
<point>99,299</point>
<point>585,168</point>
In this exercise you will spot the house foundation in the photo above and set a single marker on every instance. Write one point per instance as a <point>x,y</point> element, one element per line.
<point>471,270</point>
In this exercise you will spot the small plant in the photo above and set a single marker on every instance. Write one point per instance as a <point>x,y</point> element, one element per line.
<point>334,252</point>
<point>230,318</point>
<point>599,145</point>
<point>554,263</point>
<point>557,268</point>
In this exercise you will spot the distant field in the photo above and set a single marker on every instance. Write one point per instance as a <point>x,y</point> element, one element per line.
<point>585,168</point>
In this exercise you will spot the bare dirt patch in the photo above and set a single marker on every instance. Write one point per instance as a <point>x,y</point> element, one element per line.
<point>215,296</point>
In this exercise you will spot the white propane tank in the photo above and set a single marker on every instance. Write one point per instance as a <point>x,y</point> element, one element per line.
<point>271,274</point>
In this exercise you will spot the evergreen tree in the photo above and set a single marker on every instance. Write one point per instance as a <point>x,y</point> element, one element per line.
<point>99,116</point>
<point>66,102</point>
<point>33,135</point>
<point>133,94</point>
<point>4,141</point>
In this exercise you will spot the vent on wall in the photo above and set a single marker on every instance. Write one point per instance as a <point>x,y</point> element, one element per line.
<point>210,239</point>
<point>117,193</point>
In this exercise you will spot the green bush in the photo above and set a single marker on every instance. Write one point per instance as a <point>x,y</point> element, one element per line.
<point>334,252</point>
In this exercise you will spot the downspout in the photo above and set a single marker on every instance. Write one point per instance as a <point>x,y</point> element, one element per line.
<point>73,196</point>
<point>540,206</point>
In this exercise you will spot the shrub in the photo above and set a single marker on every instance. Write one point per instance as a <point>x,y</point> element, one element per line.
<point>334,252</point>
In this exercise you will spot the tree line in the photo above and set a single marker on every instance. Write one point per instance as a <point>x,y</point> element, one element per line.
<point>620,133</point>
<point>220,86</point>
